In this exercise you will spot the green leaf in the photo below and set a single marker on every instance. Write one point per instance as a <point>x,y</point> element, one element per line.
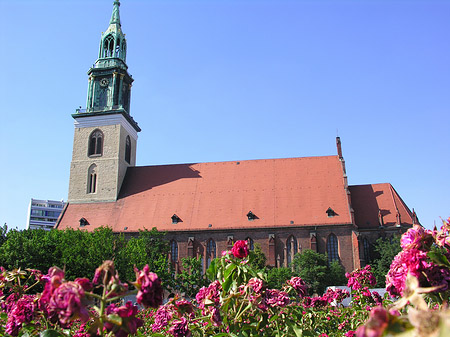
<point>229,270</point>
<point>438,258</point>
<point>298,332</point>
<point>273,318</point>
<point>50,333</point>
<point>115,319</point>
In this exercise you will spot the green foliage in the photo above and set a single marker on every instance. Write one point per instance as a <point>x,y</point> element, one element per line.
<point>277,277</point>
<point>313,268</point>
<point>337,274</point>
<point>191,278</point>
<point>150,248</point>
<point>258,260</point>
<point>387,249</point>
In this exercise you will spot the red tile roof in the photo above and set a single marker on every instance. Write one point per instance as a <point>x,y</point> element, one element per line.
<point>219,195</point>
<point>368,201</point>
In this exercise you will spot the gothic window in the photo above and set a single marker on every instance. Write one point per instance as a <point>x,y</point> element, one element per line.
<point>124,50</point>
<point>332,248</point>
<point>108,46</point>
<point>128,150</point>
<point>92,179</point>
<point>291,249</point>
<point>117,51</point>
<point>210,252</point>
<point>250,243</point>
<point>173,251</point>
<point>366,246</point>
<point>96,143</point>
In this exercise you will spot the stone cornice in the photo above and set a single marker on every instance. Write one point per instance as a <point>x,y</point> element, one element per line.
<point>87,120</point>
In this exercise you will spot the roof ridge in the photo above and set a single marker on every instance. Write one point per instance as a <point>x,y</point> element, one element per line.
<point>239,161</point>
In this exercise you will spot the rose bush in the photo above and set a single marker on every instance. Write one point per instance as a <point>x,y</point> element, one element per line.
<point>238,301</point>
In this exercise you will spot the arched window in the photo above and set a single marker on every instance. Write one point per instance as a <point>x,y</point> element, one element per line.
<point>210,252</point>
<point>366,246</point>
<point>291,249</point>
<point>173,251</point>
<point>128,150</point>
<point>108,46</point>
<point>96,143</point>
<point>250,243</point>
<point>92,179</point>
<point>124,50</point>
<point>332,248</point>
<point>117,51</point>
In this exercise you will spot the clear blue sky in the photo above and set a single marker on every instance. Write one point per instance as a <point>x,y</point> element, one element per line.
<point>235,80</point>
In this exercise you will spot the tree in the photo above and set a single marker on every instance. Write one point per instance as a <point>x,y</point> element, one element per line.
<point>257,258</point>
<point>387,249</point>
<point>337,274</point>
<point>277,277</point>
<point>150,247</point>
<point>191,277</point>
<point>312,267</point>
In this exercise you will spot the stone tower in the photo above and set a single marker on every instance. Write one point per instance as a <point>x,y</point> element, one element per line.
<point>106,135</point>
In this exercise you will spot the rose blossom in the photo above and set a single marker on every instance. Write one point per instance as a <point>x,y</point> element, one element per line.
<point>20,312</point>
<point>104,273</point>
<point>256,284</point>
<point>416,237</point>
<point>149,288</point>
<point>240,249</point>
<point>130,323</point>
<point>180,328</point>
<point>162,317</point>
<point>275,297</point>
<point>375,325</point>
<point>412,261</point>
<point>299,285</point>
<point>52,280</point>
<point>67,303</point>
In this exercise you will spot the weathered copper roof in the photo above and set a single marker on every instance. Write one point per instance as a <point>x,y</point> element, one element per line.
<point>220,195</point>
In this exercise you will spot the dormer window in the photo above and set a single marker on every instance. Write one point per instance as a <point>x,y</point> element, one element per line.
<point>331,213</point>
<point>83,222</point>
<point>251,216</point>
<point>176,219</point>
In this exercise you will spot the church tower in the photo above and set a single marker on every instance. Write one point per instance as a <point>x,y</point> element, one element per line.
<point>106,135</point>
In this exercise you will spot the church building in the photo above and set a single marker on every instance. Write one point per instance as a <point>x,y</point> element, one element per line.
<point>285,205</point>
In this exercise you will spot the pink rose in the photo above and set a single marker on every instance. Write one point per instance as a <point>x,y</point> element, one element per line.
<point>240,249</point>
<point>67,303</point>
<point>130,323</point>
<point>149,287</point>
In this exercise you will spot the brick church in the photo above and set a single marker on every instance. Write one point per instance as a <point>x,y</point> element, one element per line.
<point>284,205</point>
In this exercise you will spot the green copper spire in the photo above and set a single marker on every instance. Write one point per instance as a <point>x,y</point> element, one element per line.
<point>109,90</point>
<point>113,46</point>
<point>115,17</point>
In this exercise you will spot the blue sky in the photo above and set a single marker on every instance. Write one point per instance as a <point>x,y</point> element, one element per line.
<point>235,80</point>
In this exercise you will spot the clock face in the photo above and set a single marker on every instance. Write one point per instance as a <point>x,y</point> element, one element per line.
<point>104,82</point>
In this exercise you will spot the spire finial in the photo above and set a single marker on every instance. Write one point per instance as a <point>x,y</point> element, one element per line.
<point>115,17</point>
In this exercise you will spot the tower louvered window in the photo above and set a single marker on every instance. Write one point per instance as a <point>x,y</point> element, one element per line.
<point>92,179</point>
<point>96,143</point>
<point>108,46</point>
<point>128,150</point>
